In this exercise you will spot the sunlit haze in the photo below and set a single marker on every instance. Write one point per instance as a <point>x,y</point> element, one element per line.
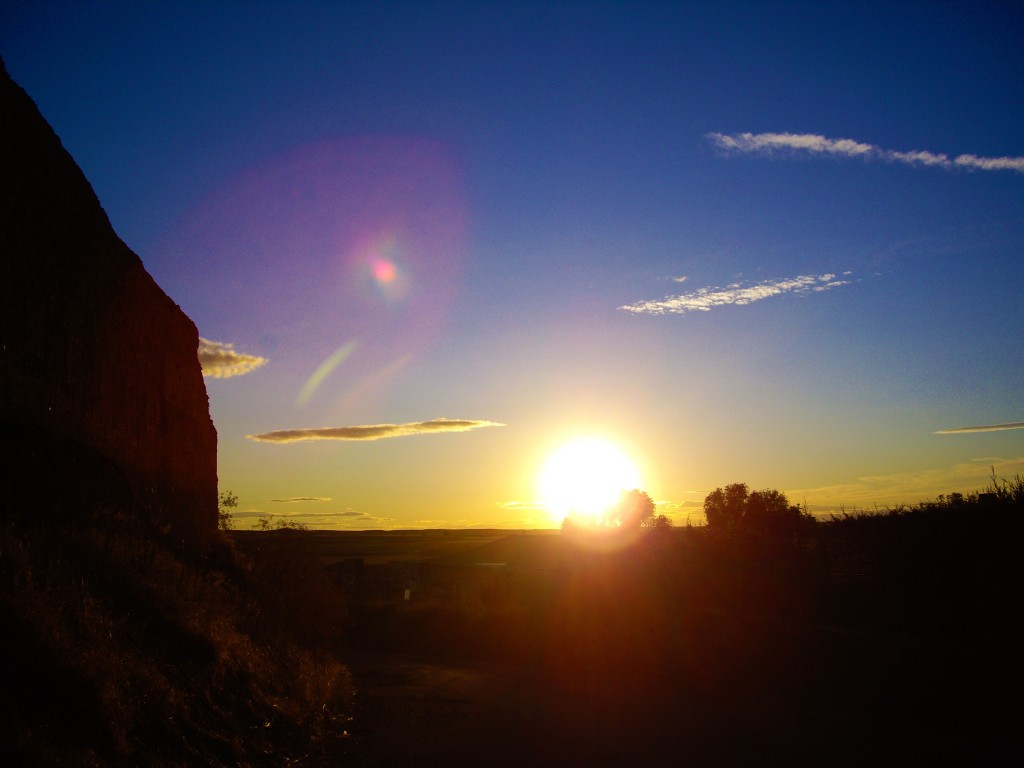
<point>429,245</point>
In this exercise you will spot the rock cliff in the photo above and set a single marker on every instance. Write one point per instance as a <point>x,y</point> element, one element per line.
<point>102,400</point>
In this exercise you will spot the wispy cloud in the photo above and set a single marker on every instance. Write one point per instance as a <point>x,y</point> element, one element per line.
<point>346,519</point>
<point>706,299</point>
<point>372,431</point>
<point>510,524</point>
<point>991,163</point>
<point>777,143</point>
<point>684,511</point>
<point>518,506</point>
<point>909,487</point>
<point>222,361</point>
<point>302,498</point>
<point>669,504</point>
<point>982,428</point>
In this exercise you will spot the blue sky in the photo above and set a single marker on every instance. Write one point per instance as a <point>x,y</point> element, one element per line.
<point>776,243</point>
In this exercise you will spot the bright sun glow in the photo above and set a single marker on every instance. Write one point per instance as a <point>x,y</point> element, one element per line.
<point>585,477</point>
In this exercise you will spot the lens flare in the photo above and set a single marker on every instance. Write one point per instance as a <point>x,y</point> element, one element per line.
<point>365,389</point>
<point>352,237</point>
<point>324,370</point>
<point>381,263</point>
<point>384,271</point>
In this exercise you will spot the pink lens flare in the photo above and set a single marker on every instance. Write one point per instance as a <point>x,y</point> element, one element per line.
<point>384,271</point>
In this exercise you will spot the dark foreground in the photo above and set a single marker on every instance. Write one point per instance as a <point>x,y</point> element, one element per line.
<point>882,641</point>
<point>770,697</point>
<point>887,642</point>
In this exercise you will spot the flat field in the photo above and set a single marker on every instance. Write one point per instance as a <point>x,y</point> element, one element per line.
<point>383,547</point>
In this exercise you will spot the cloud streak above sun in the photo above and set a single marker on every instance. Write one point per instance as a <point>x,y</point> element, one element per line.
<point>372,431</point>
<point>789,143</point>
<point>222,361</point>
<point>982,428</point>
<point>706,299</point>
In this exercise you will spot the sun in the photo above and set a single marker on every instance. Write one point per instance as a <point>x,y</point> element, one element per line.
<point>585,478</point>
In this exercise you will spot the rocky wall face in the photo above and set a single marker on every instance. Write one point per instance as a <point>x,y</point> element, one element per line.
<point>98,366</point>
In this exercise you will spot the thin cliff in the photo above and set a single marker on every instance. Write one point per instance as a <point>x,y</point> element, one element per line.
<point>102,402</point>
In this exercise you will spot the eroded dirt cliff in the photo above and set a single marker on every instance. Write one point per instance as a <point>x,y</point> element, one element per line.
<point>102,400</point>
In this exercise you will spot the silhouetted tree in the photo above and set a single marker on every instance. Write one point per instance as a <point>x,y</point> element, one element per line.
<point>724,508</point>
<point>769,513</point>
<point>633,510</point>
<point>226,501</point>
<point>735,510</point>
<point>658,523</point>
<point>266,523</point>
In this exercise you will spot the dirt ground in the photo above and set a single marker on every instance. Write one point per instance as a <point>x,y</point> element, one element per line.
<point>427,711</point>
<point>422,711</point>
